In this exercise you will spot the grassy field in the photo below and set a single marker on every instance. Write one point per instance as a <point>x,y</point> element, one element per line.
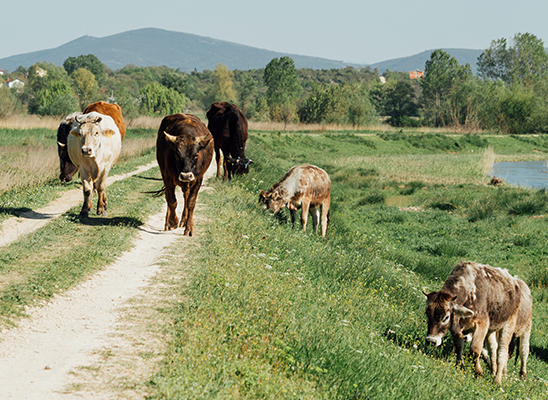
<point>271,312</point>
<point>275,313</point>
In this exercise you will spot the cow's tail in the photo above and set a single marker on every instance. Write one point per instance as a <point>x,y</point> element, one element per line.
<point>157,193</point>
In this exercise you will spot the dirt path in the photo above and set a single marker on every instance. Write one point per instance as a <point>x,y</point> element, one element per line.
<point>70,330</point>
<point>15,227</point>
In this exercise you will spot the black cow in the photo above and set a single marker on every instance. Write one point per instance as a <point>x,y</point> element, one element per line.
<point>68,169</point>
<point>228,125</point>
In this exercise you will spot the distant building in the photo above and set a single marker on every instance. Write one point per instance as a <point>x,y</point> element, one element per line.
<point>1,72</point>
<point>15,83</point>
<point>416,74</point>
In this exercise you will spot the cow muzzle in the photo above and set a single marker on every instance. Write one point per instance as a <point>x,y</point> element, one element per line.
<point>87,151</point>
<point>186,177</point>
<point>432,340</point>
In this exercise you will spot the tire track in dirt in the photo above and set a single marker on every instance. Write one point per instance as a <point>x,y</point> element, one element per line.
<point>14,228</point>
<point>36,357</point>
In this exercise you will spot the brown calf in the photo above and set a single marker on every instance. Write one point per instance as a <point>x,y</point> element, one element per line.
<point>305,186</point>
<point>481,301</point>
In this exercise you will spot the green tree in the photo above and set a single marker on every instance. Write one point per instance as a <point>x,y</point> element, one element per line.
<point>175,80</point>
<point>398,102</point>
<point>524,60</point>
<point>9,103</point>
<point>49,91</point>
<point>85,86</point>
<point>223,85</point>
<point>89,62</point>
<point>326,103</point>
<point>247,88</point>
<point>441,74</point>
<point>156,99</point>
<point>283,89</point>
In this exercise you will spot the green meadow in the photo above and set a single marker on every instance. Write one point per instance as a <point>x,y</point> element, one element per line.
<point>268,311</point>
<point>272,312</point>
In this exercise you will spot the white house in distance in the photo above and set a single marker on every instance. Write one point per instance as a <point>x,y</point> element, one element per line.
<point>15,84</point>
<point>1,72</point>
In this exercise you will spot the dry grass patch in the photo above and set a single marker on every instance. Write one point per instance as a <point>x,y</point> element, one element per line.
<point>30,122</point>
<point>30,165</point>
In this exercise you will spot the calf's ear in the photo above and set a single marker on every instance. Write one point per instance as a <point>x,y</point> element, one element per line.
<point>463,312</point>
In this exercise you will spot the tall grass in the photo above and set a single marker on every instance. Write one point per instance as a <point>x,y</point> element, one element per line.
<point>275,313</point>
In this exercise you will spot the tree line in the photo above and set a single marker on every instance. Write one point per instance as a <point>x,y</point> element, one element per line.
<point>509,94</point>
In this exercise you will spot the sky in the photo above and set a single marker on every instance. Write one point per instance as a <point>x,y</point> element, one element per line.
<point>354,31</point>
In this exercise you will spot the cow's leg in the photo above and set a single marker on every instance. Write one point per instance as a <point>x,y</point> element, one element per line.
<point>218,159</point>
<point>524,352</point>
<point>171,216</point>
<point>304,214</point>
<point>505,335</point>
<point>476,346</point>
<point>101,194</point>
<point>492,345</point>
<point>293,213</point>
<point>325,213</point>
<point>315,213</point>
<point>458,344</point>
<point>190,204</point>
<point>87,185</point>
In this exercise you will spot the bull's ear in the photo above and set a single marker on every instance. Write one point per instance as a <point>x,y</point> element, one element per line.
<point>170,138</point>
<point>463,312</point>
<point>108,133</point>
<point>74,133</point>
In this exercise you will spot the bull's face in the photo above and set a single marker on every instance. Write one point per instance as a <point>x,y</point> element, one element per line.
<point>272,201</point>
<point>187,154</point>
<point>89,132</point>
<point>443,314</point>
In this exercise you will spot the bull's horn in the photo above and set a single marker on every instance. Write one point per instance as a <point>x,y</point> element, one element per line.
<point>230,159</point>
<point>424,292</point>
<point>170,138</point>
<point>61,144</point>
<point>77,118</point>
<point>204,140</point>
<point>250,161</point>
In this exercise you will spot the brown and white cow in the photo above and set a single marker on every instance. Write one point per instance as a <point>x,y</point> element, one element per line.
<point>184,149</point>
<point>304,186</point>
<point>68,169</point>
<point>481,301</point>
<point>94,144</point>
<point>228,125</point>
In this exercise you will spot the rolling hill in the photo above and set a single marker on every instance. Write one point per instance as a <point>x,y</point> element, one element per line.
<point>155,47</point>
<point>188,52</point>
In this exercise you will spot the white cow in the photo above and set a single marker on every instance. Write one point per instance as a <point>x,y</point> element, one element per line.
<point>94,144</point>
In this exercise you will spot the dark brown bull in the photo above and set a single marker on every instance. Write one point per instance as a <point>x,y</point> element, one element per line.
<point>184,149</point>
<point>68,169</point>
<point>480,301</point>
<point>228,125</point>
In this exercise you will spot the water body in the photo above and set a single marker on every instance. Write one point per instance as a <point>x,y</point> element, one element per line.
<point>530,174</point>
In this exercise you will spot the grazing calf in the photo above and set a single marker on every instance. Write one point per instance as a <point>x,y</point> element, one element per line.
<point>184,149</point>
<point>305,186</point>
<point>481,301</point>
<point>94,144</point>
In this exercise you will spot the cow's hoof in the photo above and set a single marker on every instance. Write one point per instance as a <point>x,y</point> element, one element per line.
<point>84,214</point>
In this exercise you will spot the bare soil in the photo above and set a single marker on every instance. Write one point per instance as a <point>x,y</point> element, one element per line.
<point>104,338</point>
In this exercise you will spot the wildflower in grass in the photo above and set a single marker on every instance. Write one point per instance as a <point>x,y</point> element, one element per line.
<point>267,266</point>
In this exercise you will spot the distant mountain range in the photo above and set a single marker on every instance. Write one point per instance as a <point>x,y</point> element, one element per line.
<point>187,52</point>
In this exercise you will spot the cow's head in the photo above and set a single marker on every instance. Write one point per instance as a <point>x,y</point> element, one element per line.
<point>273,200</point>
<point>238,165</point>
<point>443,313</point>
<point>68,169</point>
<point>89,130</point>
<point>187,152</point>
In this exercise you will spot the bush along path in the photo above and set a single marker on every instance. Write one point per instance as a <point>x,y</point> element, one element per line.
<point>71,329</point>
